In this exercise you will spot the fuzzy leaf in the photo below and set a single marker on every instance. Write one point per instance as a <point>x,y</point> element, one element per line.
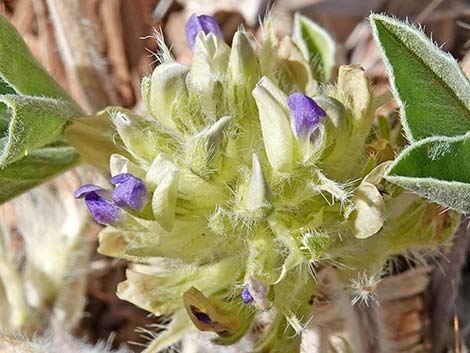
<point>433,92</point>
<point>34,123</point>
<point>4,118</point>
<point>317,46</point>
<point>39,108</point>
<point>162,90</point>
<point>35,169</point>
<point>437,168</point>
<point>20,69</point>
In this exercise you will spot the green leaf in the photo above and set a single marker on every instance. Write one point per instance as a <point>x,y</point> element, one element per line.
<point>34,110</point>
<point>4,118</point>
<point>437,168</point>
<point>317,46</point>
<point>34,169</point>
<point>21,70</point>
<point>34,123</point>
<point>432,90</point>
<point>5,88</point>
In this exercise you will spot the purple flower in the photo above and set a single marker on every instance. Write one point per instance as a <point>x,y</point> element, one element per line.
<point>102,210</point>
<point>196,24</point>
<point>306,115</point>
<point>246,295</point>
<point>130,192</point>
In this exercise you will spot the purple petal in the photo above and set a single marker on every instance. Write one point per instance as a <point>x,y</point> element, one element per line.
<point>120,178</point>
<point>196,24</point>
<point>102,210</point>
<point>306,115</point>
<point>130,192</point>
<point>83,190</point>
<point>246,295</point>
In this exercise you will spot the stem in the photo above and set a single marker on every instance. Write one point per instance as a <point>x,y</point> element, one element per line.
<point>83,64</point>
<point>13,286</point>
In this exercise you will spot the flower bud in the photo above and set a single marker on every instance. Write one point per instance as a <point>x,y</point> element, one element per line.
<point>209,65</point>
<point>164,201</point>
<point>164,90</point>
<point>274,119</point>
<point>243,66</point>
<point>203,23</point>
<point>161,166</point>
<point>257,199</point>
<point>298,69</point>
<point>163,174</point>
<point>142,138</point>
<point>354,84</point>
<point>203,150</point>
<point>355,89</point>
<point>338,132</point>
<point>369,214</point>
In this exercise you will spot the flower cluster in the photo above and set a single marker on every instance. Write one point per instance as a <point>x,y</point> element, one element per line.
<point>250,173</point>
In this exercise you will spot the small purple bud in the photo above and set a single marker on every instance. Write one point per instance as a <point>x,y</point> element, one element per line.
<point>246,295</point>
<point>306,115</point>
<point>196,24</point>
<point>130,192</point>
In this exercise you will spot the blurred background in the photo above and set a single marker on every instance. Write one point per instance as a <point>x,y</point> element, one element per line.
<point>119,34</point>
<point>100,49</point>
